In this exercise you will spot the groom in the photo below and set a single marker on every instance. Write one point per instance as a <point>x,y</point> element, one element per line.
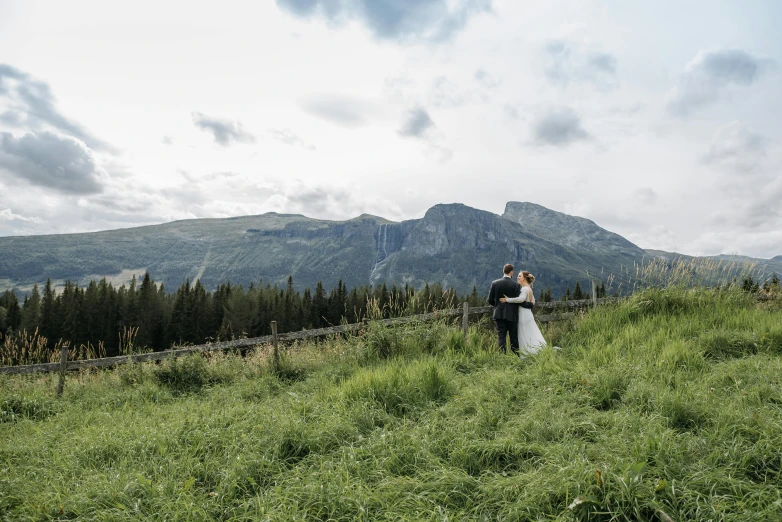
<point>506,315</point>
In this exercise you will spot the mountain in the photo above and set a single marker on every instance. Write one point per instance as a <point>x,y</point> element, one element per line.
<point>462,247</point>
<point>243,250</point>
<point>452,244</point>
<point>571,231</point>
<point>602,252</point>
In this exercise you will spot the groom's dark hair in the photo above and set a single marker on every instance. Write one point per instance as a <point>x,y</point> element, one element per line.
<point>507,269</point>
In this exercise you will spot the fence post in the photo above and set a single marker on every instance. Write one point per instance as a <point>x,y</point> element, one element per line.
<point>594,293</point>
<point>465,317</point>
<point>63,367</point>
<point>276,361</point>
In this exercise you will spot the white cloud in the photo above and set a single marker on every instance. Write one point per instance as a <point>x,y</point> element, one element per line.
<point>645,195</point>
<point>288,137</point>
<point>28,103</point>
<point>568,61</point>
<point>712,75</point>
<point>417,123</point>
<point>9,215</point>
<point>558,126</point>
<point>346,111</point>
<point>737,148</point>
<point>223,130</point>
<point>58,162</point>
<point>658,237</point>
<point>432,20</point>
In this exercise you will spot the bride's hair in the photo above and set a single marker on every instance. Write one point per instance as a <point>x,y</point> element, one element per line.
<point>528,277</point>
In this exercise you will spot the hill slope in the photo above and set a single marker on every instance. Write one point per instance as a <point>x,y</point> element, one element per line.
<point>627,421</point>
<point>243,250</point>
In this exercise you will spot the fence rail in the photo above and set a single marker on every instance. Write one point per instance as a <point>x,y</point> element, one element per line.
<point>559,310</point>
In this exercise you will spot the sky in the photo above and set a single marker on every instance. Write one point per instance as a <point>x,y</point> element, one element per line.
<point>657,120</point>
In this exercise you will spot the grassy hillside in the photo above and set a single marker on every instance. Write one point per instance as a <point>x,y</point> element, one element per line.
<point>668,404</point>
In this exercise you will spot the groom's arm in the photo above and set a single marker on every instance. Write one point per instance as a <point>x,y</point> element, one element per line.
<point>492,295</point>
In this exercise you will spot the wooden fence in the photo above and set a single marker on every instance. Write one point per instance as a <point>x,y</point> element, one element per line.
<point>558,310</point>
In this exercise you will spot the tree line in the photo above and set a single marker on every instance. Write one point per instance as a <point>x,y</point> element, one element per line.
<point>107,320</point>
<point>146,315</point>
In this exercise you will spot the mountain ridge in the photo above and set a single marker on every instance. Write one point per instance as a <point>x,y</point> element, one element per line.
<point>452,244</point>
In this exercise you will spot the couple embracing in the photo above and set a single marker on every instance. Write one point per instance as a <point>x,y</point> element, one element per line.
<point>512,302</point>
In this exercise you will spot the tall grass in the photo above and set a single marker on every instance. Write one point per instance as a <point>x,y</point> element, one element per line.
<point>659,272</point>
<point>400,305</point>
<point>664,405</point>
<point>22,348</point>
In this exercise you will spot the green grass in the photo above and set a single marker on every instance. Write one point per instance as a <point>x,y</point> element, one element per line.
<point>668,403</point>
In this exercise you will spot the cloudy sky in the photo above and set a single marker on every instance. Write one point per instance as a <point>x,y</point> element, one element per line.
<point>657,120</point>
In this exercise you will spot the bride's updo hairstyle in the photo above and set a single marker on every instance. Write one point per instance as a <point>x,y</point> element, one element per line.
<point>528,277</point>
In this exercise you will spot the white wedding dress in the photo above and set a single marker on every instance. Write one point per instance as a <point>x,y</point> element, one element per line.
<point>530,338</point>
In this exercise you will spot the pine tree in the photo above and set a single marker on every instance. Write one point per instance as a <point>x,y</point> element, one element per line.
<point>151,315</point>
<point>31,312</point>
<point>354,307</point>
<point>749,285</point>
<point>48,321</point>
<point>288,320</point>
<point>578,294</point>
<point>179,315</point>
<point>13,313</point>
<point>70,313</point>
<point>337,299</point>
<point>319,306</point>
<point>89,313</point>
<point>474,299</point>
<point>107,324</point>
<point>5,304</point>
<point>771,285</point>
<point>384,300</point>
<point>217,313</point>
<point>199,306</point>
<point>306,309</point>
<point>130,309</point>
<point>425,302</point>
<point>342,297</point>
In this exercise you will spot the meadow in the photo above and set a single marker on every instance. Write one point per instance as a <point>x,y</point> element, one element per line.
<point>665,406</point>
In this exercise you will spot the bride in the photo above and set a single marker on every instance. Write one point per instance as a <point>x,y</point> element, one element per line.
<point>530,338</point>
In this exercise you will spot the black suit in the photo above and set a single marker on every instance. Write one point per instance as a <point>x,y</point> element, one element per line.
<point>506,315</point>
